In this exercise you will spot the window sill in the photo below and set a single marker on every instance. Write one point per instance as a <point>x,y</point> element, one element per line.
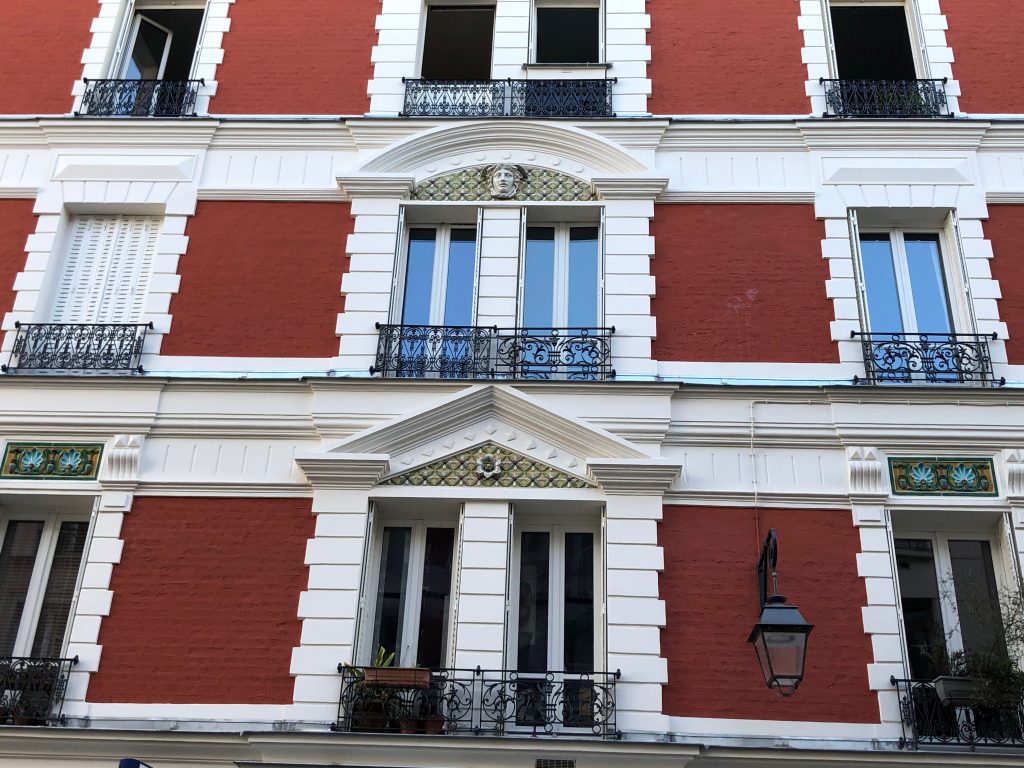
<point>579,70</point>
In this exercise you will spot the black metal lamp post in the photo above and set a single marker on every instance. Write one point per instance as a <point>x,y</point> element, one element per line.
<point>780,635</point>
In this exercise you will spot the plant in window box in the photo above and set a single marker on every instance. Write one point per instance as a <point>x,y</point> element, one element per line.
<point>382,694</point>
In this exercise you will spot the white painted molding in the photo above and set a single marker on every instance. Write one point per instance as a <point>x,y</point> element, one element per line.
<point>343,471</point>
<point>868,477</point>
<point>635,477</point>
<point>629,187</point>
<point>387,186</point>
<point>1014,462</point>
<point>121,465</point>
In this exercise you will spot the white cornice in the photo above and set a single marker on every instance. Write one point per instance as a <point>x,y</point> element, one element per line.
<point>93,132</point>
<point>639,477</point>
<point>629,187</point>
<point>739,196</point>
<point>351,471</point>
<point>376,185</point>
<point>329,195</point>
<point>727,135</point>
<point>330,135</point>
<point>875,135</point>
<point>18,193</point>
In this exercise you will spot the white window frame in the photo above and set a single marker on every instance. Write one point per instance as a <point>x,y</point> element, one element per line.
<point>41,573</point>
<point>407,655</point>
<point>915,30</point>
<point>560,291</point>
<point>131,21</point>
<point>944,579</point>
<point>602,56</point>
<point>526,523</point>
<point>421,45</point>
<point>439,284</point>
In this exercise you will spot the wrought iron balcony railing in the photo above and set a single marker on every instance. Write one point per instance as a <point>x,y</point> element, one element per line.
<point>932,358</point>
<point>886,98</point>
<point>928,720</point>
<point>476,702</point>
<point>508,98</point>
<point>66,347</point>
<point>140,98</point>
<point>475,352</point>
<point>32,690</point>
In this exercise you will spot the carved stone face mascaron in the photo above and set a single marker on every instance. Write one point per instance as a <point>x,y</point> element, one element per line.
<point>504,182</point>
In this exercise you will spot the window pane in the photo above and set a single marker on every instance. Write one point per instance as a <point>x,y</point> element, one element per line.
<point>880,284</point>
<point>419,277</point>
<point>931,304</point>
<point>457,43</point>
<point>579,602</point>
<point>458,299</point>
<point>534,565</point>
<point>922,612</point>
<point>60,589</point>
<point>568,35</point>
<point>539,278</point>
<point>583,281</point>
<point>873,43</point>
<point>394,561</point>
<point>977,598</point>
<point>17,558</point>
<point>436,601</point>
<point>147,53</point>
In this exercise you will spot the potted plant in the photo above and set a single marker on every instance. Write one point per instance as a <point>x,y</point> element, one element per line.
<point>377,694</point>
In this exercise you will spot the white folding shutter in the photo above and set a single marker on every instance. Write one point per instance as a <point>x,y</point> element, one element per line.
<point>858,269</point>
<point>963,308</point>
<point>107,269</point>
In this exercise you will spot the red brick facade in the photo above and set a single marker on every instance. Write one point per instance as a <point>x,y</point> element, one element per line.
<point>205,602</point>
<point>16,224</point>
<point>985,36</point>
<point>242,291</point>
<point>1005,229</point>
<point>743,283</point>
<point>710,592</point>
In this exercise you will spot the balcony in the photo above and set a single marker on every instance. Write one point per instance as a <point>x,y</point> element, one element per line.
<point>508,98</point>
<point>476,352</point>
<point>930,721</point>
<point>140,98</point>
<point>476,702</point>
<point>885,98</point>
<point>927,358</point>
<point>66,347</point>
<point>32,690</point>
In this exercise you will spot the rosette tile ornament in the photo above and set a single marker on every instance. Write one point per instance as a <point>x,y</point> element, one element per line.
<point>488,465</point>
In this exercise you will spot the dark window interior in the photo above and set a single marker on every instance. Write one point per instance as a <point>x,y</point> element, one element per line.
<point>568,35</point>
<point>873,43</point>
<point>184,26</point>
<point>457,43</point>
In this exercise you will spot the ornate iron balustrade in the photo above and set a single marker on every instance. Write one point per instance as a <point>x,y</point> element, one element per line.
<point>32,690</point>
<point>477,702</point>
<point>77,347</point>
<point>508,98</point>
<point>475,352</point>
<point>140,98</point>
<point>929,721</point>
<point>885,98</point>
<point>933,358</point>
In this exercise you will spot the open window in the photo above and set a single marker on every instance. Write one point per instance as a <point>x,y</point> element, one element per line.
<point>567,32</point>
<point>457,42</point>
<point>872,41</point>
<point>160,41</point>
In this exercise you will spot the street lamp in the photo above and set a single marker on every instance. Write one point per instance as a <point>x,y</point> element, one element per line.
<point>780,635</point>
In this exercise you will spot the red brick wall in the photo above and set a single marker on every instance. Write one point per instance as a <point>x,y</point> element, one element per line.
<point>726,57</point>
<point>1005,228</point>
<point>41,45</point>
<point>742,283</point>
<point>300,57</point>
<point>205,602</point>
<point>710,591</point>
<point>985,36</point>
<point>261,279</point>
<point>16,223</point>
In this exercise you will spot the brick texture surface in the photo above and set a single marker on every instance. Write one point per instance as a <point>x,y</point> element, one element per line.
<point>726,57</point>
<point>985,36</point>
<point>16,223</point>
<point>1005,229</point>
<point>205,602</point>
<point>41,45</point>
<point>261,279</point>
<point>300,57</point>
<point>741,283</point>
<point>710,590</point>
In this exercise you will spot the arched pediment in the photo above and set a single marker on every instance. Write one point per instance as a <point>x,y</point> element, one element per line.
<point>533,184</point>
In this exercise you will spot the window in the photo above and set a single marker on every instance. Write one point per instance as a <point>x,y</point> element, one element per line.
<point>106,271</point>
<point>872,42</point>
<point>39,564</point>
<point>561,277</point>
<point>160,42</point>
<point>440,276</point>
<point>457,43</point>
<point>950,599</point>
<point>567,32</point>
<point>412,610</point>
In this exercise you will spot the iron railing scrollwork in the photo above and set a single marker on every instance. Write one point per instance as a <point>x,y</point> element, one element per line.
<point>140,98</point>
<point>478,352</point>
<point>885,98</point>
<point>32,690</point>
<point>108,347</point>
<point>932,358</point>
<point>480,702</point>
<point>929,721</point>
<point>508,98</point>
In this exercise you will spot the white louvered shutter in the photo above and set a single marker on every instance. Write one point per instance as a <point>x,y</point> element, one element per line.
<point>107,269</point>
